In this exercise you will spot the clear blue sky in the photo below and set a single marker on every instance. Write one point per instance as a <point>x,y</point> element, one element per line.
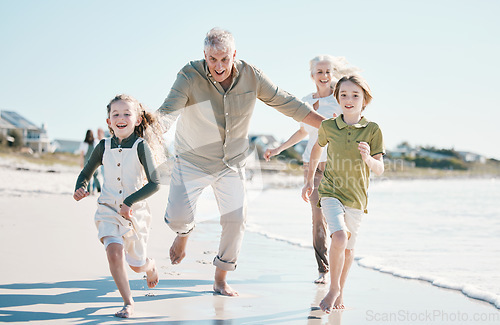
<point>432,65</point>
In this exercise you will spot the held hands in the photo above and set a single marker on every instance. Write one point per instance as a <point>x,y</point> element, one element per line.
<point>270,153</point>
<point>80,194</point>
<point>126,211</point>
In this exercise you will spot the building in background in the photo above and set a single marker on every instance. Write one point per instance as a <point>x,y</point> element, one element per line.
<point>34,137</point>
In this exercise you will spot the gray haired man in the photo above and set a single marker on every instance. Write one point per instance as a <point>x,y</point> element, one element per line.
<point>214,100</point>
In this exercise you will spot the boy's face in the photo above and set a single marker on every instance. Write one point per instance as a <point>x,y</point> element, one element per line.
<point>351,98</point>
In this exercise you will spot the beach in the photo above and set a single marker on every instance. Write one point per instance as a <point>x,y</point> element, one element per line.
<point>55,270</point>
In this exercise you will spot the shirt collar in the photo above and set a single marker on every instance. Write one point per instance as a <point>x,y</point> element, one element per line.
<point>341,124</point>
<point>127,142</point>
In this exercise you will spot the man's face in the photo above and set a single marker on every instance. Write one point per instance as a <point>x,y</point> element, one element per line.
<point>220,63</point>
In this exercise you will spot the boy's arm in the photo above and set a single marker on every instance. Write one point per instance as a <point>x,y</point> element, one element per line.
<point>294,139</point>
<point>313,165</point>
<point>375,163</point>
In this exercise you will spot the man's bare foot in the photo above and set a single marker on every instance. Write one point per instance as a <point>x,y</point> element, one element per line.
<point>224,289</point>
<point>152,275</point>
<point>322,278</point>
<point>178,249</point>
<point>126,312</point>
<point>327,303</point>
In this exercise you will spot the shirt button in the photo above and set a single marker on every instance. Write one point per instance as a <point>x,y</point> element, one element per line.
<point>118,178</point>
<point>349,133</point>
<point>227,113</point>
<point>120,191</point>
<point>348,140</point>
<point>130,224</point>
<point>215,81</point>
<point>118,164</point>
<point>120,150</point>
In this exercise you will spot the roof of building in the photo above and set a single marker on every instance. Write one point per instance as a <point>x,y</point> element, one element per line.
<point>17,120</point>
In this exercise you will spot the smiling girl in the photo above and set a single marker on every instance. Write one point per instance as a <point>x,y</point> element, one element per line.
<point>355,146</point>
<point>123,218</point>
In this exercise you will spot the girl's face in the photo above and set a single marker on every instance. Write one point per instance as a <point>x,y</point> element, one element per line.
<point>322,75</point>
<point>351,98</point>
<point>123,119</point>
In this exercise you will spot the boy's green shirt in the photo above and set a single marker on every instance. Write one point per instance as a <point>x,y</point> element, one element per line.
<point>347,176</point>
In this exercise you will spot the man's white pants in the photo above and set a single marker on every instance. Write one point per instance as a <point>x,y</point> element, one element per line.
<point>186,185</point>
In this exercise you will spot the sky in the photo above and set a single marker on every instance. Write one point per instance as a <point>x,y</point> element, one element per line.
<point>432,65</point>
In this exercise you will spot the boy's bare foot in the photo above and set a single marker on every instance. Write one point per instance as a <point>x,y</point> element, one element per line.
<point>339,302</point>
<point>178,249</point>
<point>327,303</point>
<point>152,275</point>
<point>126,312</point>
<point>221,287</point>
<point>322,279</point>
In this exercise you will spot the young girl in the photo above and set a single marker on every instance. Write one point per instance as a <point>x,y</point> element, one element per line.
<point>355,146</point>
<point>123,218</point>
<point>325,71</point>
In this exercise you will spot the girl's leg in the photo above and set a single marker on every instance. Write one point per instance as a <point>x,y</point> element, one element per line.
<point>116,260</point>
<point>151,273</point>
<point>337,260</point>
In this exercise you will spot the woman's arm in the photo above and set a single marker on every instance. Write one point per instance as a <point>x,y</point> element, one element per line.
<point>294,139</point>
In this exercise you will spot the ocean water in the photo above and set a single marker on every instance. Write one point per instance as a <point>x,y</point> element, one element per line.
<point>446,232</point>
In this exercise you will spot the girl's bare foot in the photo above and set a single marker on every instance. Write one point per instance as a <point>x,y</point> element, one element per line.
<point>327,303</point>
<point>322,279</point>
<point>152,275</point>
<point>221,287</point>
<point>178,249</point>
<point>126,312</point>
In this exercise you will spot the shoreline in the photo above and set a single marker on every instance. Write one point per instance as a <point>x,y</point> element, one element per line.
<point>71,282</point>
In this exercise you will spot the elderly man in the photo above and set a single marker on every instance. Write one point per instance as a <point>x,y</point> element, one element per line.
<point>214,99</point>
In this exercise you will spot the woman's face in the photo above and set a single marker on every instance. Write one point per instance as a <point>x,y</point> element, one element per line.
<point>322,75</point>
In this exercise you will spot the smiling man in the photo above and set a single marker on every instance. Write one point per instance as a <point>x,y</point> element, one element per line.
<point>214,99</point>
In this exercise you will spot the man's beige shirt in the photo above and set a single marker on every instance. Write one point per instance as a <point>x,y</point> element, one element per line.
<point>212,130</point>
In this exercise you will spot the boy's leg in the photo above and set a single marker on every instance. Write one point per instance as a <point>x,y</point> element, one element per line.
<point>337,259</point>
<point>349,258</point>
<point>116,260</point>
<point>187,183</point>
<point>334,212</point>
<point>230,193</point>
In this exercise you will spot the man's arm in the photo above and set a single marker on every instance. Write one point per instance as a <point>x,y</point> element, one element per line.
<point>176,100</point>
<point>314,119</point>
